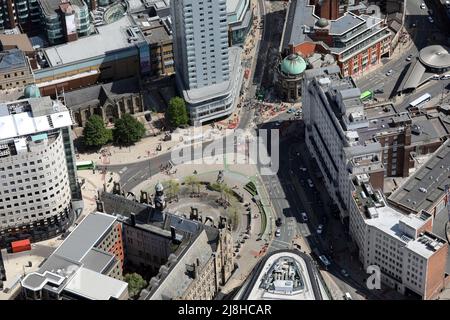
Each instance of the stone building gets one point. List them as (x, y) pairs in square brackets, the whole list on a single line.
[(288, 78), (188, 259), (109, 100), (15, 70)]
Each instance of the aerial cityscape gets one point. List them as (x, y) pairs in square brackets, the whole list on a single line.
[(225, 150)]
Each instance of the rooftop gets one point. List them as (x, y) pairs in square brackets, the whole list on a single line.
[(283, 275), (50, 7), (426, 186), (31, 116), (12, 59), (19, 41), (435, 56), (76, 266), (345, 23), (112, 37)]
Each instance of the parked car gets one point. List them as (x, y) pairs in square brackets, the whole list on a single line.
[(304, 216), (320, 229), (389, 72), (435, 77), (278, 222), (278, 233), (445, 77), (344, 273), (423, 6), (408, 58)]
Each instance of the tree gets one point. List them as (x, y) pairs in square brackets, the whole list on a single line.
[(192, 181), (135, 283), (128, 130), (173, 187), (95, 134), (177, 114)]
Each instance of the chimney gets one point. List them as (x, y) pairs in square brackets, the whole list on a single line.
[(133, 219)]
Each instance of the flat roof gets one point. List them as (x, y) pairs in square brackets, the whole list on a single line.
[(432, 176), (33, 116), (20, 41), (85, 236), (95, 286), (300, 14), (110, 38), (345, 23), (50, 7)]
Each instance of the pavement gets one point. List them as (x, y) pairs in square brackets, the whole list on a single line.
[(17, 264)]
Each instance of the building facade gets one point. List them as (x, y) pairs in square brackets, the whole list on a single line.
[(358, 42), (339, 136), (15, 71), (240, 20), (65, 21), (208, 73), (24, 13), (289, 76), (38, 177)]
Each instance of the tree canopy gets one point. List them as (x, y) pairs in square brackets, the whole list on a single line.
[(176, 113), (128, 130), (135, 283), (95, 133)]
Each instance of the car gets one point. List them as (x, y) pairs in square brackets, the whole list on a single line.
[(304, 216), (435, 77), (347, 296), (310, 183), (413, 25), (278, 233), (303, 169), (320, 229), (344, 273), (389, 72), (408, 58), (423, 6), (430, 19), (278, 222), (445, 77)]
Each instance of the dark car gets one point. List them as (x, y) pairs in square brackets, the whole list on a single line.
[(278, 222)]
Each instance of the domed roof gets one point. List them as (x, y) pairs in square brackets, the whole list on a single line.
[(159, 187), (435, 56), (31, 91), (322, 22), (293, 65)]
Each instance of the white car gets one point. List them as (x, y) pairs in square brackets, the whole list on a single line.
[(445, 77), (278, 233), (430, 19), (435, 77), (389, 72), (423, 6), (320, 229), (347, 296)]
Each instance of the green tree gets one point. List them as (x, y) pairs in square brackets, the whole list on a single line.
[(177, 114), (135, 284), (193, 182), (95, 134), (127, 130), (173, 187)]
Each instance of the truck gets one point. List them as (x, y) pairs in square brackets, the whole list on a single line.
[(20, 246)]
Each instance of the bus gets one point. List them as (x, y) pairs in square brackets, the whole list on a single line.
[(366, 95), (85, 165), (420, 101)]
